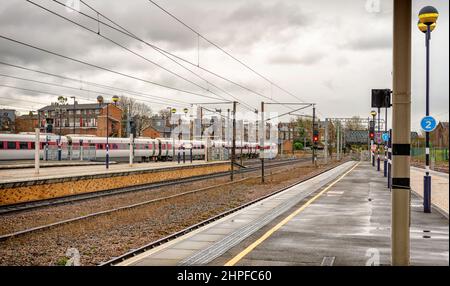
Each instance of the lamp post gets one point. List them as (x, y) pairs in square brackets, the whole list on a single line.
[(100, 101), (74, 112), (427, 22), (172, 111), (373, 113), (378, 141)]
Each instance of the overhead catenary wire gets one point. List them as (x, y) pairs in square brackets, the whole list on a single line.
[(78, 96), (100, 67), (92, 83), (133, 36), (222, 50), (79, 89), (123, 47)]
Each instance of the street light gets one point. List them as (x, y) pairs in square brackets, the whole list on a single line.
[(373, 113), (427, 23), (100, 101), (172, 111)]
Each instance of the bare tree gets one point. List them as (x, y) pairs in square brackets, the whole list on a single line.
[(139, 112), (354, 124)]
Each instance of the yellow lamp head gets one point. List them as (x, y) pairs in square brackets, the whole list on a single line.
[(428, 15), (423, 28)]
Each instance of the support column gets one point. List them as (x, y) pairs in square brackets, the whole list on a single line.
[(326, 142), (233, 148), (37, 145), (262, 137), (401, 133)]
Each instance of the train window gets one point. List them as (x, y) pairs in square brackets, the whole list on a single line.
[(99, 146), (23, 145), (32, 146), (114, 146), (11, 145), (1, 145)]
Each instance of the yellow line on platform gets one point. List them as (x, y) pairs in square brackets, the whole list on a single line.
[(252, 246)]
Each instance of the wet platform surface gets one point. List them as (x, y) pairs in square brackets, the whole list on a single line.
[(344, 219)]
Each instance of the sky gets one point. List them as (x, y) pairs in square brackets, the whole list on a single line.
[(331, 53)]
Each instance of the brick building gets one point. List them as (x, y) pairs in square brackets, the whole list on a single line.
[(82, 119), (26, 123), (439, 137), (150, 132)]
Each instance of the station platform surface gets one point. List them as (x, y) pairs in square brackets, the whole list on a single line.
[(23, 175), (439, 186), (341, 217), (24, 164)]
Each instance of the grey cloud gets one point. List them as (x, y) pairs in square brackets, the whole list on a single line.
[(309, 58), (370, 43)]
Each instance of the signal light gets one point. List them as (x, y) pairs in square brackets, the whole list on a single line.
[(371, 135), (315, 136)]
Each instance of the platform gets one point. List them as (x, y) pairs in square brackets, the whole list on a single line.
[(25, 164), (341, 217), (24, 175), (21, 186)]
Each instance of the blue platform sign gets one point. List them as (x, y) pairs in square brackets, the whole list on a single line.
[(385, 137), (428, 123)]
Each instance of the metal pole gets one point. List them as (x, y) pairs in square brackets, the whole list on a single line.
[(128, 120), (74, 114), (390, 159), (81, 150), (372, 142), (368, 140), (107, 136), (59, 140), (36, 151), (262, 137), (378, 141), (227, 133), (313, 143), (427, 177), (401, 135), (233, 148), (338, 143), (326, 141), (131, 150), (385, 163)]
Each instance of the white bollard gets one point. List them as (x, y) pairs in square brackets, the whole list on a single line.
[(131, 150), (36, 152)]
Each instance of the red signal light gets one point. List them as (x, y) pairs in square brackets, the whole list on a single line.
[(316, 138), (372, 135)]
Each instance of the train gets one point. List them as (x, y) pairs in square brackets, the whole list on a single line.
[(22, 147)]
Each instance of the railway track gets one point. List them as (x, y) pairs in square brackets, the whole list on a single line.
[(80, 218), (151, 245), (86, 196)]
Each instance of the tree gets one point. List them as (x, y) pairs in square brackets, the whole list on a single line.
[(354, 124), (139, 112)]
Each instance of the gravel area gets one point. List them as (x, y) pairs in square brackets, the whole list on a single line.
[(101, 238), (14, 222)]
